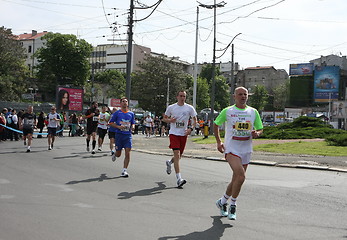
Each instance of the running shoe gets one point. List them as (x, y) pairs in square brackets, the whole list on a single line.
[(93, 151), (28, 150), (222, 207), (87, 148), (49, 148), (99, 149), (125, 174), (112, 152), (181, 182), (52, 145), (113, 157), (232, 212), (168, 167)]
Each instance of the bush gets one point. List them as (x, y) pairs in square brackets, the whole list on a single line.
[(337, 140), (301, 128)]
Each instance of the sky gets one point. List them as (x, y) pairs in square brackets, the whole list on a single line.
[(264, 32)]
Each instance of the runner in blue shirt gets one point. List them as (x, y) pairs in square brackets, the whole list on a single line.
[(123, 121)]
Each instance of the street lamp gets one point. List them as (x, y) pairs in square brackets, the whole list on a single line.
[(214, 7)]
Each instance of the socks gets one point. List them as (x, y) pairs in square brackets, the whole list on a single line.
[(233, 201), (224, 199), (178, 175), (88, 141), (94, 144)]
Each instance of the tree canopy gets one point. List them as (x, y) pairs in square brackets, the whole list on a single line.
[(259, 98), (149, 85), (63, 60), (13, 72), (222, 93), (107, 84)]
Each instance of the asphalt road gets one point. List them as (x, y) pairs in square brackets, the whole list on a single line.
[(70, 194)]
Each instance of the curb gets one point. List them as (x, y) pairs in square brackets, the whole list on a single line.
[(256, 162)]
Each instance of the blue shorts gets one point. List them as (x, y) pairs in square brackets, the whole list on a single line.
[(123, 141)]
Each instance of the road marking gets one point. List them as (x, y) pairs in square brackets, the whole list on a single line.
[(6, 196), (62, 187), (4, 181), (83, 205)]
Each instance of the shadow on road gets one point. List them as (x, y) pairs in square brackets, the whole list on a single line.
[(102, 178), (213, 233), (144, 192)]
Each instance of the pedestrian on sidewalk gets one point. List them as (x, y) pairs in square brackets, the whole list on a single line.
[(178, 115), (123, 121), (242, 124), (53, 120), (27, 123), (92, 116)]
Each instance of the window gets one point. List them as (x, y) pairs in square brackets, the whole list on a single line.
[(29, 49)]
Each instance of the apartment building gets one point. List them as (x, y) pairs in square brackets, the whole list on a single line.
[(267, 76), (31, 42)]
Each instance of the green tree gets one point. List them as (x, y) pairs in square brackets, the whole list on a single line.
[(149, 85), (202, 94), (13, 72), (64, 60), (281, 95), (222, 93), (259, 98), (107, 84)]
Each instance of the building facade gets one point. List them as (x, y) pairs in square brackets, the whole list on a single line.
[(31, 42), (267, 76), (112, 56)]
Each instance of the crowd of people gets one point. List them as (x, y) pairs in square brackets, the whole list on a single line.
[(242, 124)]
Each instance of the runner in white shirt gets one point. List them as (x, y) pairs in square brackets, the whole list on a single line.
[(242, 124), (53, 123), (178, 115), (149, 125), (104, 117)]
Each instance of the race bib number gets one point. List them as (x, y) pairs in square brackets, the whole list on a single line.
[(179, 124), (95, 119), (241, 126), (126, 126)]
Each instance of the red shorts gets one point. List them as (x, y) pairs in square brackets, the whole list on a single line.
[(178, 142)]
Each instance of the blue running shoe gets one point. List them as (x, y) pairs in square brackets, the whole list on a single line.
[(232, 212), (223, 208)]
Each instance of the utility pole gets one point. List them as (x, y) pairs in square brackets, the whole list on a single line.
[(214, 6), (168, 92), (196, 58), (130, 51), (232, 81)]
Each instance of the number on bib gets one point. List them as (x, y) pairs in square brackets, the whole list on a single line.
[(243, 126)]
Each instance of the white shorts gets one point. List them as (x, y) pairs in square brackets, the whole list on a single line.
[(245, 157)]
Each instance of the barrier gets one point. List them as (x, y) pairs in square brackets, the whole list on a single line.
[(18, 131)]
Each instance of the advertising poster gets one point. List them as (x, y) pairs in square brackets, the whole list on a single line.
[(301, 69), (115, 103), (326, 83), (69, 99)]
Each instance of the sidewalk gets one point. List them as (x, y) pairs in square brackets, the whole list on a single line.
[(159, 145)]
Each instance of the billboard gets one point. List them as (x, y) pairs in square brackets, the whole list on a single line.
[(326, 83), (301, 69), (69, 99), (115, 103)]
